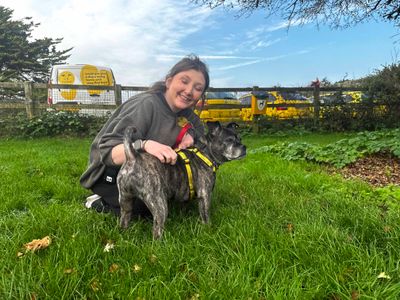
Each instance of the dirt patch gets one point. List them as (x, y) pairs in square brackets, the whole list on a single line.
[(380, 169)]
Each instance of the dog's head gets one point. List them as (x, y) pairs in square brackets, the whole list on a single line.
[(223, 142)]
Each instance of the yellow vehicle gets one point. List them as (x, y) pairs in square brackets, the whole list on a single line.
[(284, 112), (219, 106), (255, 104), (353, 96), (339, 97), (260, 103)]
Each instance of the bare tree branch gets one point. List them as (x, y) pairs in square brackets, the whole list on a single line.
[(335, 13)]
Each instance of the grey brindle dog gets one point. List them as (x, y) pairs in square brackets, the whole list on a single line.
[(143, 177)]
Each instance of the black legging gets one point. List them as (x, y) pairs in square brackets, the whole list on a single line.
[(107, 188)]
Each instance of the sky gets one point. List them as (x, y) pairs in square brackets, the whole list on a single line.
[(142, 39)]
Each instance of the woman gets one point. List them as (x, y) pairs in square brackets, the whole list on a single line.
[(164, 119)]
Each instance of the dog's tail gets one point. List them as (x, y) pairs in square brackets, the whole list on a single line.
[(129, 151)]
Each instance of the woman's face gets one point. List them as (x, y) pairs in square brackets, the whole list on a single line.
[(184, 89)]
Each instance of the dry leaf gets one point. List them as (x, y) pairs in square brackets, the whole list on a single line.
[(387, 229), (109, 246), (38, 244), (95, 285), (33, 296), (153, 259), (69, 271), (355, 295), (136, 268), (113, 268), (382, 275), (195, 297), (20, 254)]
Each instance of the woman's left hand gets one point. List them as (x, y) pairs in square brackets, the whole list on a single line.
[(187, 141)]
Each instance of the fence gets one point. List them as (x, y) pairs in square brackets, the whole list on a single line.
[(33, 98)]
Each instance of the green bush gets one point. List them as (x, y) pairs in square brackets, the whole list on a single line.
[(342, 152), (52, 123)]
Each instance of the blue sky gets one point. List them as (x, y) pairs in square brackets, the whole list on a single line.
[(141, 40)]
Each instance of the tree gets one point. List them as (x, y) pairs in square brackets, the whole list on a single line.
[(336, 13), (21, 57)]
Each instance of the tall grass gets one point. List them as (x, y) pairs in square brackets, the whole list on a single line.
[(280, 230)]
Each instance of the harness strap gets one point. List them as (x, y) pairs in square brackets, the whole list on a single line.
[(204, 158), (188, 171)]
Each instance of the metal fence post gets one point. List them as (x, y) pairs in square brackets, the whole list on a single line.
[(29, 102), (118, 94)]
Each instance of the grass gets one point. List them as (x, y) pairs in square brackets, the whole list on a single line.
[(280, 230)]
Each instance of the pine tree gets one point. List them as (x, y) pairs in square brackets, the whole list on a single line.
[(21, 57)]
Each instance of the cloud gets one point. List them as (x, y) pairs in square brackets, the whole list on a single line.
[(128, 36), (239, 65), (285, 25), (260, 60)]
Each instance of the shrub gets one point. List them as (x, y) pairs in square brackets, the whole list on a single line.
[(52, 123)]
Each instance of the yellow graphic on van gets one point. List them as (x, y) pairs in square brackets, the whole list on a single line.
[(90, 75), (67, 77)]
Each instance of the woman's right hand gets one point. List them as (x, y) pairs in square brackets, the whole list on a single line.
[(163, 152)]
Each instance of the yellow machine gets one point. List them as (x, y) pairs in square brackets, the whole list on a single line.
[(255, 104), (259, 103), (219, 106), (285, 112)]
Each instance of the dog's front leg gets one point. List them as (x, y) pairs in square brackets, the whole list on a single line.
[(204, 200)]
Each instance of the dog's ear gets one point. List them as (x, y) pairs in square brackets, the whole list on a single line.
[(233, 126), (213, 127)]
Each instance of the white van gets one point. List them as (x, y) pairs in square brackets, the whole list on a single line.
[(81, 75)]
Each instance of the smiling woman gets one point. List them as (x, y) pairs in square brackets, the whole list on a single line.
[(184, 89), (164, 119)]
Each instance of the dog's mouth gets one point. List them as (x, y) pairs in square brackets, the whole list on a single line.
[(243, 155), (235, 156)]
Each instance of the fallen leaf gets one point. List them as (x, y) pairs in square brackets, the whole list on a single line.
[(153, 259), (195, 297), (69, 271), (38, 244), (33, 296), (20, 254), (290, 227), (109, 246), (136, 268), (355, 295), (113, 268), (382, 275), (95, 285), (387, 229)]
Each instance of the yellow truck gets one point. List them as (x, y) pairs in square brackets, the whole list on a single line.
[(260, 103), (255, 104), (219, 106), (284, 112)]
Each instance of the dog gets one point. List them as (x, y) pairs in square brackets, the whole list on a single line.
[(143, 177)]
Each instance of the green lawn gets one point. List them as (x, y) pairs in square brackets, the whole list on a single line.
[(280, 230)]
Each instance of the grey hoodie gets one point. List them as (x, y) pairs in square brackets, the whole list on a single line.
[(154, 120)]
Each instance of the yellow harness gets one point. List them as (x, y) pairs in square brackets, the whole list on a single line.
[(189, 172)]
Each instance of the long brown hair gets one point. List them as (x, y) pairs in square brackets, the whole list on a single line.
[(190, 62)]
